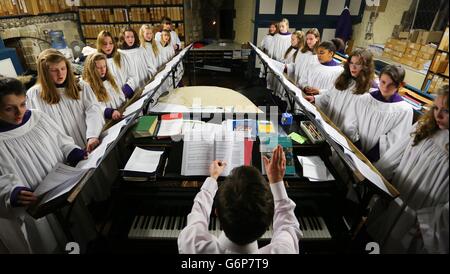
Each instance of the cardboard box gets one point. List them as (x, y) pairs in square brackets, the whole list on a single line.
[(396, 58), (412, 51), (403, 35), (443, 66), (421, 60), (389, 45), (414, 34), (446, 71), (386, 55), (424, 55), (429, 37), (388, 50), (428, 49), (401, 49), (410, 57), (414, 46), (397, 53)]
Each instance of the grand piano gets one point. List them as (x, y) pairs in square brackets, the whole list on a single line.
[(145, 213)]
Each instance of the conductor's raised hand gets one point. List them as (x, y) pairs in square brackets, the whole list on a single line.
[(216, 168), (276, 166)]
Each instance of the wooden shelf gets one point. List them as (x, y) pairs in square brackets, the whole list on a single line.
[(132, 6), (18, 16)]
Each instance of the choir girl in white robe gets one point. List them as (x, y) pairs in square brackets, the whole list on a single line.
[(96, 73), (150, 45), (281, 43), (321, 76), (355, 80), (71, 103), (418, 220), (31, 144), (306, 58), (167, 53), (129, 45), (297, 42), (267, 43), (121, 67), (175, 41), (377, 120)]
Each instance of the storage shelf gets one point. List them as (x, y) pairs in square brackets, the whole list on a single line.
[(132, 6)]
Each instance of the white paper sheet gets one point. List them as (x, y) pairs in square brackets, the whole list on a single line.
[(134, 107), (315, 169), (61, 173), (169, 108), (143, 160)]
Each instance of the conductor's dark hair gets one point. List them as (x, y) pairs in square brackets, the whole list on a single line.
[(166, 19), (395, 72), (245, 205), (339, 44), (10, 86)]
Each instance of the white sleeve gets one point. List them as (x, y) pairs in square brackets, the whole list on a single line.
[(433, 223), (351, 120), (151, 68), (158, 36), (132, 79), (94, 115), (65, 143), (323, 100), (177, 40), (286, 229), (290, 69), (195, 237), (389, 162), (8, 182), (391, 137)]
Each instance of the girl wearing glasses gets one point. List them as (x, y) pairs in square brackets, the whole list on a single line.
[(380, 118), (417, 221)]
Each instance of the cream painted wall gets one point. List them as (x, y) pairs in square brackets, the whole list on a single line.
[(243, 23), (384, 24)]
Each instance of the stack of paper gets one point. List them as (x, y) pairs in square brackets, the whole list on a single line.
[(171, 125), (142, 160), (314, 169)]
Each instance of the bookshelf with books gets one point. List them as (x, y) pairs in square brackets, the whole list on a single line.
[(95, 16), (19, 8), (438, 73)]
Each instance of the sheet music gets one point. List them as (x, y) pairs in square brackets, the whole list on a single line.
[(169, 108), (335, 135), (197, 157), (143, 160), (94, 157), (135, 106), (315, 169), (230, 149), (367, 172), (60, 174)]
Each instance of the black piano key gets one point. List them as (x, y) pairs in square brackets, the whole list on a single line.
[(136, 221), (310, 223), (147, 222), (155, 224), (143, 222), (319, 226), (302, 221)]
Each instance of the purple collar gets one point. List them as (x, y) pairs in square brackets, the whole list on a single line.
[(394, 98), (331, 63), (4, 127), (286, 33)]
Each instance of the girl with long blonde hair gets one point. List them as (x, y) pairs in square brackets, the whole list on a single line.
[(149, 43), (99, 77), (71, 103), (416, 221)]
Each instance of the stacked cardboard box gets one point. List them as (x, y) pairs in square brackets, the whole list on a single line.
[(408, 53)]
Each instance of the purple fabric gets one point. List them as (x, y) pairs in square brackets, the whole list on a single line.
[(16, 191), (4, 127), (75, 156), (108, 113), (394, 98), (286, 33), (344, 26), (128, 91), (331, 63)]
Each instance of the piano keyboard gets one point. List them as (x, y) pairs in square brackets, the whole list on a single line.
[(169, 227)]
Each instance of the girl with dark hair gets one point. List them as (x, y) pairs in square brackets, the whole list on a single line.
[(377, 120), (321, 76), (31, 145), (417, 165)]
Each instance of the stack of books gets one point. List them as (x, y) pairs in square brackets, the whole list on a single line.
[(147, 126)]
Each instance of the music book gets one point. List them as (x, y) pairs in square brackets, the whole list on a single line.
[(170, 125), (146, 126), (315, 169), (59, 181), (269, 142), (199, 153), (142, 160)]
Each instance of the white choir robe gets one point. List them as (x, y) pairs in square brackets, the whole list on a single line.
[(167, 53), (372, 121), (155, 59), (29, 153), (81, 119), (303, 62), (335, 104), (320, 76), (123, 74), (421, 175), (280, 45), (116, 97), (174, 39), (277, 86), (140, 63), (196, 239), (266, 46)]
